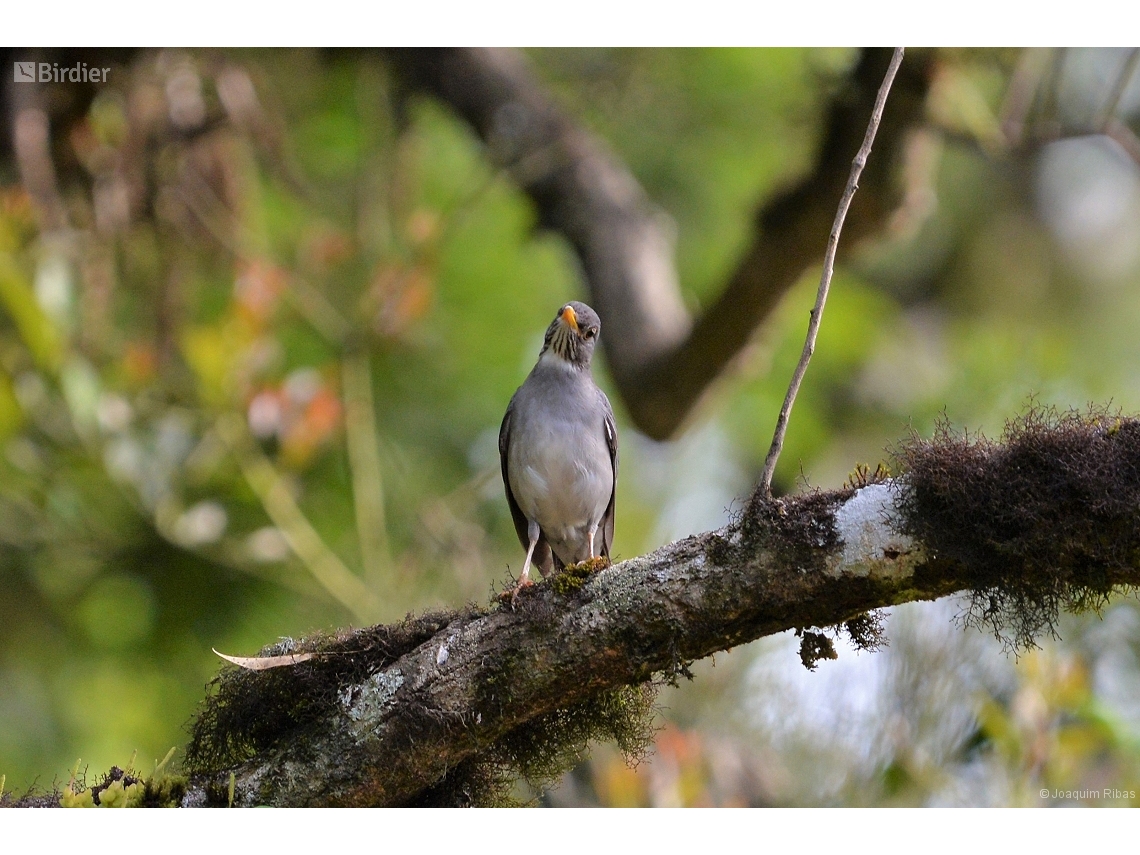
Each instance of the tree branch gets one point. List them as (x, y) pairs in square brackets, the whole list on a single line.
[(662, 359), (399, 732), (393, 713)]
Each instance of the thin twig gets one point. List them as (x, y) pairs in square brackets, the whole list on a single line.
[(1051, 91), (857, 165), (1021, 94), (361, 437)]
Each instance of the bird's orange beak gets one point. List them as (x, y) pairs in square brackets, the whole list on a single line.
[(569, 318)]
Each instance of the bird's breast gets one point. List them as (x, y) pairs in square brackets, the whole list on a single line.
[(561, 474)]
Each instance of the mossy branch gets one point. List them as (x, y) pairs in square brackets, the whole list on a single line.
[(445, 708)]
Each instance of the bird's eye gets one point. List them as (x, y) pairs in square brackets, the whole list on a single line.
[(591, 332)]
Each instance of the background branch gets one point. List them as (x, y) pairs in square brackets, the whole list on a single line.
[(662, 358), (361, 437)]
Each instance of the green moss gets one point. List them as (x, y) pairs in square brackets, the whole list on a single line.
[(119, 794), (545, 748), (249, 712), (124, 788), (166, 791), (572, 578), (76, 799), (863, 476)]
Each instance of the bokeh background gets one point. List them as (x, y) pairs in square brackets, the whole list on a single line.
[(261, 313)]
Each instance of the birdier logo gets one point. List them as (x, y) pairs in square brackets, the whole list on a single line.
[(50, 72)]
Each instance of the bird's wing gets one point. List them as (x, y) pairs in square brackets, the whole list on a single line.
[(504, 448), (607, 522), (543, 557)]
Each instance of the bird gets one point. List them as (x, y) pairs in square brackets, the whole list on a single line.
[(558, 448)]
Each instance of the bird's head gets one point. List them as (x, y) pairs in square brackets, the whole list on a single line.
[(573, 334)]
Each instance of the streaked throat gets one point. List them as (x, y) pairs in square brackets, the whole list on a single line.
[(562, 345), (551, 358)]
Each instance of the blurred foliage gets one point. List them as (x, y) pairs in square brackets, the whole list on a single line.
[(252, 387), (1032, 734)]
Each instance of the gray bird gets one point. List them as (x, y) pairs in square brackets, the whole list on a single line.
[(558, 450)]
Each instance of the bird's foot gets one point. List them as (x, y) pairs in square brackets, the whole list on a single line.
[(592, 565), (512, 595)]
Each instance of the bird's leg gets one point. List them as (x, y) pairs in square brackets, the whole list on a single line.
[(596, 561), (532, 533), (524, 577)]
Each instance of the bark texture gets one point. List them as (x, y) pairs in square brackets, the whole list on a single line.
[(400, 731)]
